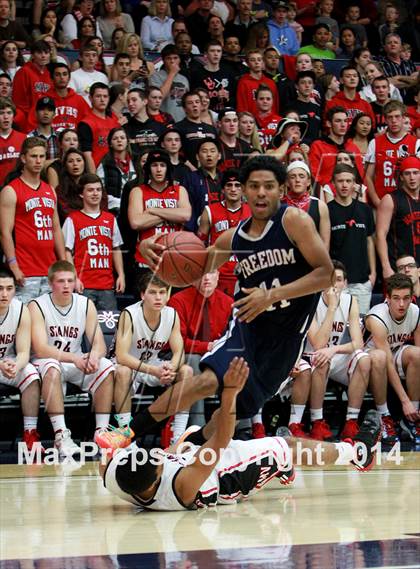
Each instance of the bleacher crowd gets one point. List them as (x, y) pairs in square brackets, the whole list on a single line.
[(123, 120)]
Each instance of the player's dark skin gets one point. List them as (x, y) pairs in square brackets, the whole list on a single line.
[(262, 191)]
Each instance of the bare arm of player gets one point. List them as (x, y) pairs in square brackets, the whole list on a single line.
[(319, 334), (204, 225), (301, 230), (122, 347), (23, 340), (40, 344), (324, 224), (138, 218), (176, 344), (192, 477), (96, 339), (370, 182), (180, 214), (380, 338), (383, 222), (7, 225), (117, 261), (60, 250)]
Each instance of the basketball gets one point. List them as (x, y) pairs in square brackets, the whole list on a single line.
[(184, 259)]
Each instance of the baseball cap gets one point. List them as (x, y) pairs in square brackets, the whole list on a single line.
[(44, 103), (227, 111), (410, 163), (280, 5)]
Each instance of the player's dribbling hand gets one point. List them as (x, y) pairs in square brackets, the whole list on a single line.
[(236, 376), (410, 412), (152, 251), (250, 306)]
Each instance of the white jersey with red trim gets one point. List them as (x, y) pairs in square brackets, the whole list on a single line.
[(147, 343), (341, 318), (8, 326), (65, 326), (243, 469), (398, 332)]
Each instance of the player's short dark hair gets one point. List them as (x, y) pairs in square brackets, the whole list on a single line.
[(344, 169), (88, 178), (6, 273), (348, 67), (263, 87), (57, 65), (212, 43), (169, 49), (380, 78), (134, 478), (60, 266), (141, 93), (321, 26), (302, 74), (398, 281), (228, 175), (40, 46), (119, 56), (339, 266), (263, 163), (97, 85), (334, 111), (148, 278), (7, 103), (186, 95), (205, 141)]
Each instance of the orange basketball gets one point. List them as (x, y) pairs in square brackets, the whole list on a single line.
[(184, 259)]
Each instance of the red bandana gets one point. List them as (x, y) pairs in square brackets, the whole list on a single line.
[(301, 201)]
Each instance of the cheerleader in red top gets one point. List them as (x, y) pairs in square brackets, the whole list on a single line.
[(93, 241), (217, 217)]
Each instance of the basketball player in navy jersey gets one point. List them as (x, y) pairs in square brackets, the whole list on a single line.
[(282, 263)]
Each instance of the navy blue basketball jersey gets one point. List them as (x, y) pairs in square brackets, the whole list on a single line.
[(270, 261)]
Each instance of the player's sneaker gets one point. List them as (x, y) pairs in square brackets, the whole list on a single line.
[(258, 431), (166, 434), (112, 438), (296, 430), (350, 429), (65, 445), (410, 431), (320, 430), (30, 438), (367, 437), (389, 433)]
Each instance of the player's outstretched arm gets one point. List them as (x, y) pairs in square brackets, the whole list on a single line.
[(380, 339), (191, 478)]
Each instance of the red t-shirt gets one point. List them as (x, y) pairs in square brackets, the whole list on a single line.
[(93, 249), (34, 236), (168, 198), (98, 128), (353, 107), (9, 152), (245, 93)]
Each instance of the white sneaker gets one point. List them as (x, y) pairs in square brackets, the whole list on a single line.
[(65, 445)]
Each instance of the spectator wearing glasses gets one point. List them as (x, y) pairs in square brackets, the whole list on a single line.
[(406, 264)]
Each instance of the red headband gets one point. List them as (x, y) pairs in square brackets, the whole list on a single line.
[(411, 162)]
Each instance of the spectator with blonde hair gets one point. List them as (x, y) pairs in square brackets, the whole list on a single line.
[(248, 130), (156, 28), (141, 70), (112, 17)]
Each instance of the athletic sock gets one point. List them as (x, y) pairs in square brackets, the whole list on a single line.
[(102, 420), (316, 415), (352, 413), (383, 409), (30, 423), (197, 438), (345, 453), (58, 423), (123, 419), (296, 413), (257, 418), (179, 424)]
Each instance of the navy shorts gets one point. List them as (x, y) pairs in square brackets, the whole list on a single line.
[(270, 355)]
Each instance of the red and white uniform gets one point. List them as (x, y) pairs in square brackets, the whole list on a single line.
[(34, 235), (167, 198), (10, 146), (386, 153), (267, 128), (92, 239), (8, 328), (221, 218), (243, 469), (99, 128)]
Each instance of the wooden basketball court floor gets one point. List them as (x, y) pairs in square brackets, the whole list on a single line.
[(337, 518)]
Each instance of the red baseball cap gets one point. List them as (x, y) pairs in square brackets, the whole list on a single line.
[(411, 162)]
